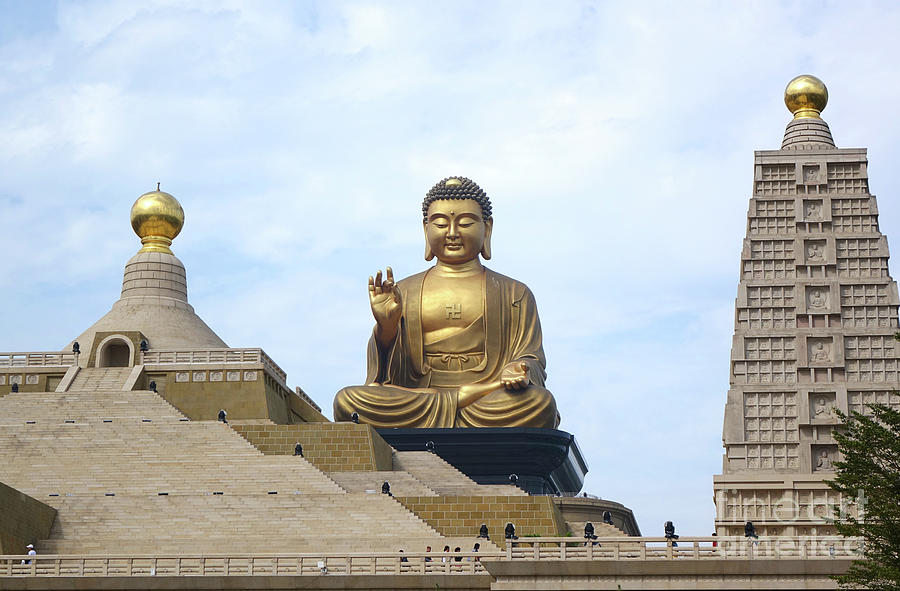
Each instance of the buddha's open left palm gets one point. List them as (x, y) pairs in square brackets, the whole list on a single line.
[(515, 375), (384, 297)]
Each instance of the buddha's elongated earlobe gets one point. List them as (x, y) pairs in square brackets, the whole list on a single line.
[(429, 255), (486, 247)]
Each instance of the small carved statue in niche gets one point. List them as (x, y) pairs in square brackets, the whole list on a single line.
[(810, 175), (813, 211), (824, 462), (814, 252), (823, 409), (820, 353), (816, 299)]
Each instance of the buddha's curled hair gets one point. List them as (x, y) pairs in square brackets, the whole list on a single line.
[(457, 187)]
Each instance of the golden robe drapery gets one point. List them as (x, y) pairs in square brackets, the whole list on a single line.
[(404, 391)]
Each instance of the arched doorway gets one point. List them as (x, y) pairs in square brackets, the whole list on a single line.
[(114, 352)]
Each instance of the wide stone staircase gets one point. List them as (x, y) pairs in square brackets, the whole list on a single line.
[(444, 479), (93, 379), (53, 408), (600, 529), (194, 524), (401, 484), (128, 473)]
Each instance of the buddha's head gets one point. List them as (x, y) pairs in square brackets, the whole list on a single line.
[(456, 215)]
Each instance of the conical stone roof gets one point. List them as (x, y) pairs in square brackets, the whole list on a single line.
[(154, 287)]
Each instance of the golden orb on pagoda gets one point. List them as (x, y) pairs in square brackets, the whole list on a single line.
[(806, 97), (157, 218)]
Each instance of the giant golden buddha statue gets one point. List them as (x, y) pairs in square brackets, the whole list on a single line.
[(457, 345)]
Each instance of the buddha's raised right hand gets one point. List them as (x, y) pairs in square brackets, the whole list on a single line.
[(384, 297)]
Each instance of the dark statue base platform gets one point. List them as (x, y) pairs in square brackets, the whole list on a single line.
[(546, 461)]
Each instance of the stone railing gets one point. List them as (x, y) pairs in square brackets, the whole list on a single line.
[(693, 548), (38, 359), (601, 549), (241, 565), (212, 356)]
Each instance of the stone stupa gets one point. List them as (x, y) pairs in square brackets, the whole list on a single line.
[(154, 298)]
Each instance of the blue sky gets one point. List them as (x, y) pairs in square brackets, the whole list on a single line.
[(615, 139)]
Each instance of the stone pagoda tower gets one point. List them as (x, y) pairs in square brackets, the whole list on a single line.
[(815, 316)]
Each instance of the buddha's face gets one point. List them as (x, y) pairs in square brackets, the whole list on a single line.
[(455, 230)]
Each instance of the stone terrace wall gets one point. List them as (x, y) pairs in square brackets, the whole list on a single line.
[(331, 447), (459, 516), (23, 520)]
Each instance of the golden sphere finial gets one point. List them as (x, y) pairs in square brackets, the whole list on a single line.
[(806, 97), (157, 218), (453, 182)]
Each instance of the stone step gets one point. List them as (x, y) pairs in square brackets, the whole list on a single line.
[(84, 406), (247, 523), (82, 445), (443, 478), (600, 529), (402, 484), (100, 378)]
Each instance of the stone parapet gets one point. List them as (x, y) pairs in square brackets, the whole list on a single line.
[(535, 563)]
